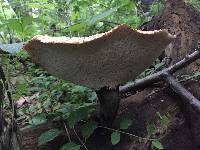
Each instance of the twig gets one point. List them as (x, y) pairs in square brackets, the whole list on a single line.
[(141, 84), (126, 133), (80, 139), (183, 93), (67, 132), (166, 75)]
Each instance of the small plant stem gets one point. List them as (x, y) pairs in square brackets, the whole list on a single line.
[(67, 132), (126, 133), (4, 14), (80, 139)]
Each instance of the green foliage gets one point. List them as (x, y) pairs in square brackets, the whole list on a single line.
[(21, 88), (79, 114), (156, 7), (124, 124), (164, 121), (48, 136), (20, 20), (38, 119), (88, 128), (155, 67), (192, 76), (115, 138), (150, 129), (157, 144), (45, 96), (154, 127), (195, 3), (70, 146), (100, 16)]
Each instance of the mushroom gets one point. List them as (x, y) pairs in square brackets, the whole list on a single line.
[(106, 59)]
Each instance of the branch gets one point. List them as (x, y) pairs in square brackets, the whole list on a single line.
[(141, 84), (185, 95), (166, 75)]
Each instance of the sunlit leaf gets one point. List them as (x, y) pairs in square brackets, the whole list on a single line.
[(101, 16), (76, 27), (157, 144)]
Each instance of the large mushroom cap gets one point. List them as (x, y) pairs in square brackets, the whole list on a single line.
[(105, 59)]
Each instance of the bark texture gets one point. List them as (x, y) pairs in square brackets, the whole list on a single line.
[(182, 20)]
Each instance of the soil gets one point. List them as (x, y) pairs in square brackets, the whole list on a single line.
[(141, 108)]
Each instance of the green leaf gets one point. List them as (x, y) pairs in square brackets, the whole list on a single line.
[(27, 20), (124, 124), (150, 129), (101, 16), (70, 146), (157, 144), (196, 74), (77, 115), (77, 27), (41, 6), (38, 119), (115, 138), (159, 65), (155, 8), (48, 136), (88, 128), (159, 115), (165, 120), (15, 24), (21, 88)]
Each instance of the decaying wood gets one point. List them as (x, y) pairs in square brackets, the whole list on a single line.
[(182, 20)]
